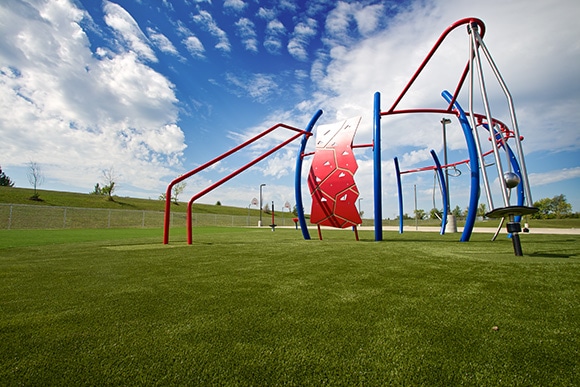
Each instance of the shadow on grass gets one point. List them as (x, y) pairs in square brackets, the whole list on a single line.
[(549, 255)]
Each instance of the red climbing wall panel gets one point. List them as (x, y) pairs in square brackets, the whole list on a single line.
[(331, 178)]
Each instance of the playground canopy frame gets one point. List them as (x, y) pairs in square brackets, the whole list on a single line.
[(167, 217), (476, 31)]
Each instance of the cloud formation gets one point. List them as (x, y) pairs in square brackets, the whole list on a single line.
[(206, 20), (128, 30), (303, 33), (77, 111), (246, 30)]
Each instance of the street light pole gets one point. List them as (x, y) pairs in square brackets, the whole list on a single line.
[(260, 222), (451, 225)]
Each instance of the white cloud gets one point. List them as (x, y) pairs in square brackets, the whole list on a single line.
[(162, 42), (274, 33), (368, 18), (235, 5), (128, 30), (303, 33), (266, 13), (194, 46), (246, 30), (76, 113), (342, 20), (205, 19), (538, 179), (258, 87)]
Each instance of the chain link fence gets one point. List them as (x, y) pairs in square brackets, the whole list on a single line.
[(21, 216)]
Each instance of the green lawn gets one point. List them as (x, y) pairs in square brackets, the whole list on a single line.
[(256, 307)]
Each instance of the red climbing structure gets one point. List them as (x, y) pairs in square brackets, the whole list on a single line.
[(331, 178)]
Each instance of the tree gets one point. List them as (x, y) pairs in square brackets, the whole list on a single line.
[(109, 187), (561, 207), (35, 178), (5, 180), (419, 214), (457, 212), (556, 207), (435, 213), (482, 210), (178, 190), (97, 190), (218, 203)]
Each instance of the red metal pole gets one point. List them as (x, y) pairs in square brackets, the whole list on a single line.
[(233, 174), (167, 216), (430, 54)]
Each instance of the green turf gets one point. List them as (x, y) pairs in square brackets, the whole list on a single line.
[(256, 307)]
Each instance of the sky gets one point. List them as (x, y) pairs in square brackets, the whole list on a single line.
[(152, 89)]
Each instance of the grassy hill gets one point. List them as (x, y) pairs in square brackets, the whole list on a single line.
[(70, 199)]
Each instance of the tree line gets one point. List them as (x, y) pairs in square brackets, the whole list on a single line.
[(556, 207)]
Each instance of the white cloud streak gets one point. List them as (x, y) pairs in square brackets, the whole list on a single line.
[(128, 30), (275, 31), (551, 177), (235, 5), (246, 30), (206, 20), (162, 42), (303, 33)]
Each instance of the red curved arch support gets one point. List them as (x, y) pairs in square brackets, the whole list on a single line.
[(167, 218)]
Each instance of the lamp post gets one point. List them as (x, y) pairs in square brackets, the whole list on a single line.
[(260, 222), (451, 225)]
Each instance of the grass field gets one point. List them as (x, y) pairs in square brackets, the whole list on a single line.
[(255, 307)]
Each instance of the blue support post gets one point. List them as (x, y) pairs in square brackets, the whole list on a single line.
[(473, 165), (377, 168), (298, 175)]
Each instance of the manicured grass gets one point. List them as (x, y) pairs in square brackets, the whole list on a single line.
[(256, 307)]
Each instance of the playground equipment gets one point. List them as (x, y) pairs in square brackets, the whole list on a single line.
[(510, 166), (331, 177)]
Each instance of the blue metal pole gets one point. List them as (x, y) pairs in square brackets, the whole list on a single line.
[(298, 175), (377, 168), (473, 165)]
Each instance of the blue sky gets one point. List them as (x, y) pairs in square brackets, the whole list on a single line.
[(153, 89)]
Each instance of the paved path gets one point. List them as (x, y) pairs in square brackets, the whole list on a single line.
[(488, 230), (483, 230)]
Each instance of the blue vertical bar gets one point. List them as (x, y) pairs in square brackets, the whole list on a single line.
[(377, 168), (400, 193), (473, 166), (298, 176)]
